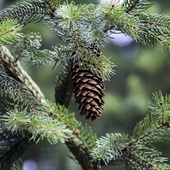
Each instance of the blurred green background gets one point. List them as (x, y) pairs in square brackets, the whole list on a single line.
[(140, 71)]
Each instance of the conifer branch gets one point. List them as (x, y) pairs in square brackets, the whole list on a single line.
[(11, 148), (147, 34), (14, 91), (157, 26), (84, 135), (51, 5), (9, 32), (39, 126), (137, 5), (19, 73), (26, 12), (155, 124), (28, 49), (134, 25), (110, 148), (137, 151)]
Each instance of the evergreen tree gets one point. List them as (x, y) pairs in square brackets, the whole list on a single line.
[(27, 117)]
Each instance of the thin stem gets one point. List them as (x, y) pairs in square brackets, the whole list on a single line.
[(142, 159), (7, 32), (51, 6), (134, 142), (132, 6)]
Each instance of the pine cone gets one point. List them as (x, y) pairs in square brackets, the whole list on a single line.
[(89, 91)]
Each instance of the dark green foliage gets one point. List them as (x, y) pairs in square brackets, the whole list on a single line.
[(12, 146), (15, 93), (63, 89), (26, 12), (137, 5)]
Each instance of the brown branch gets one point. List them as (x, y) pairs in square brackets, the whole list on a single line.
[(131, 6), (142, 159), (81, 156), (159, 24), (51, 6), (7, 32), (19, 73), (134, 142), (132, 162)]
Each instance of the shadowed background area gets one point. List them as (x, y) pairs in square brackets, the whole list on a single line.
[(140, 71)]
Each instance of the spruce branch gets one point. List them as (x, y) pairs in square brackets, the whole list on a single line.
[(142, 156), (71, 16), (156, 27), (12, 146), (138, 151), (13, 95), (21, 119), (19, 73), (83, 141), (26, 12), (14, 91), (28, 49), (109, 148), (137, 5), (9, 32), (40, 127), (84, 134), (155, 126), (86, 140), (158, 22), (135, 25)]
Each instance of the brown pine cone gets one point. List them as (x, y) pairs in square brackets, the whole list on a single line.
[(89, 91)]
